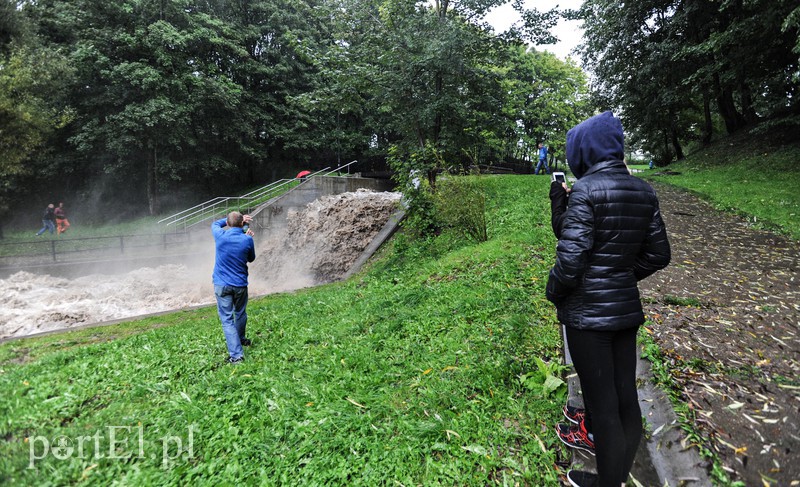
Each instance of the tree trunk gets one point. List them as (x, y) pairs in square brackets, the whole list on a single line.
[(676, 145), (432, 179), (727, 108), (708, 126), (748, 111), (152, 183), (441, 8)]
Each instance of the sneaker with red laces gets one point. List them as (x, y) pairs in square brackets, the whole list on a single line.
[(578, 478), (575, 436), (573, 414)]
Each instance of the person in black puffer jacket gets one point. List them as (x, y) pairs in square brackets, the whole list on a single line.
[(610, 236)]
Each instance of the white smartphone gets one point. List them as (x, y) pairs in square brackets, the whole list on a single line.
[(560, 177)]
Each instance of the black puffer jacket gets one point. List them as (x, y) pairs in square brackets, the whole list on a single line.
[(611, 236)]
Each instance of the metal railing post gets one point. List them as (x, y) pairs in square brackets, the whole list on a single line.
[(53, 245)]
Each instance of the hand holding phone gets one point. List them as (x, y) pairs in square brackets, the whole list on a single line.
[(561, 178)]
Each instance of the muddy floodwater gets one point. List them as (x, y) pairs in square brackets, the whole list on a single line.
[(318, 244)]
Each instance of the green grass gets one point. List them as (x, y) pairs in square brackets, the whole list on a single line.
[(437, 365), (747, 176), (682, 301)]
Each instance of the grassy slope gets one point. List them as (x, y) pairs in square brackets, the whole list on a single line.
[(747, 175), (423, 369)]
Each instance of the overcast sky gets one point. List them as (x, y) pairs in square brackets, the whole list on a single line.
[(569, 32)]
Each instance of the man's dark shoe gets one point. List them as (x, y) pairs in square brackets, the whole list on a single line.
[(573, 414), (246, 342), (232, 360), (578, 478), (575, 436)]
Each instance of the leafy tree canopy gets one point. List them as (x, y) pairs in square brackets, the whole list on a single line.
[(153, 101)]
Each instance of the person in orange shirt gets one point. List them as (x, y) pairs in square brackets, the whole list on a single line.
[(62, 224)]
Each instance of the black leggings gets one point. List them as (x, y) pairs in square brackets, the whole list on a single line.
[(606, 366)]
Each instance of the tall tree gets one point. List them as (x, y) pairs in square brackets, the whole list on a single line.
[(425, 76), (276, 35), (176, 93), (662, 62), (159, 91), (179, 92), (628, 48), (544, 98), (32, 79)]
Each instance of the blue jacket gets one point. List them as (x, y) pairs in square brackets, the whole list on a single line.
[(611, 236), (234, 250), (543, 153)]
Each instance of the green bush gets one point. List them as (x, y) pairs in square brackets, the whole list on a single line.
[(411, 174)]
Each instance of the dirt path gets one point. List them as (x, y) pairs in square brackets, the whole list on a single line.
[(726, 313)]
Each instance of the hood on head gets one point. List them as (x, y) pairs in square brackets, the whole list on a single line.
[(594, 140)]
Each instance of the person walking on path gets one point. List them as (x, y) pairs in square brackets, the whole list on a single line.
[(62, 224), (234, 250), (542, 160), (611, 235), (48, 220)]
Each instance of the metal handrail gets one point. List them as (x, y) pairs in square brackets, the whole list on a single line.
[(269, 186), (317, 173), (340, 168), (204, 212), (57, 249), (201, 206), (214, 206)]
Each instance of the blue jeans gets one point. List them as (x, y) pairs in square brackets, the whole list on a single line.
[(232, 309), (542, 163), (47, 225)]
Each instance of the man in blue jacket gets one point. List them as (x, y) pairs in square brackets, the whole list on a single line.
[(542, 160), (610, 236), (234, 249)]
